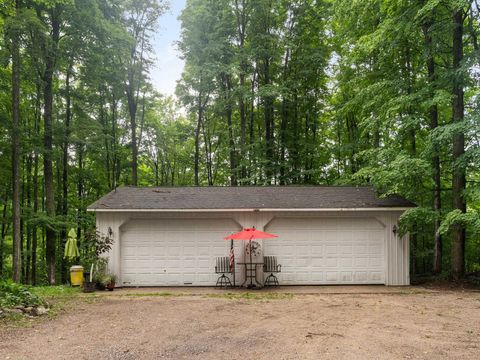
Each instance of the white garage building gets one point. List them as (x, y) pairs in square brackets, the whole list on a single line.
[(171, 236)]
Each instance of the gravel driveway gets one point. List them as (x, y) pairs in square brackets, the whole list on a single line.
[(352, 325)]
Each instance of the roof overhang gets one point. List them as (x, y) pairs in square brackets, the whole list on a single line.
[(252, 210)]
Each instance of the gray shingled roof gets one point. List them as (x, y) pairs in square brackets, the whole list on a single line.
[(251, 197)]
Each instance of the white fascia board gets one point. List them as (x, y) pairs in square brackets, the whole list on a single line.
[(253, 210)]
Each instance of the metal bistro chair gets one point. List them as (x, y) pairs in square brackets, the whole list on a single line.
[(270, 266), (223, 267)]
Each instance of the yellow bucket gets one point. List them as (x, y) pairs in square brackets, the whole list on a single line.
[(76, 275)]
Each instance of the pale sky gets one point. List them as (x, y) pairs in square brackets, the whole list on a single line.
[(168, 66)]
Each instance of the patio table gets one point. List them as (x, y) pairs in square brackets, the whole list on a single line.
[(251, 272)]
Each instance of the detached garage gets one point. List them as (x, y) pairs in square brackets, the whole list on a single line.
[(171, 236)]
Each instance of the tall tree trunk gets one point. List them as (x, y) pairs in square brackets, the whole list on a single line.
[(241, 16), (409, 75), (2, 235), (269, 126), (106, 137), (283, 141), (48, 143), (283, 122), (66, 141), (433, 114), (296, 146), (208, 154), (352, 133), (28, 250), (197, 139), (251, 150), (114, 141), (35, 186), (16, 175), (22, 222), (80, 190), (132, 110), (411, 139), (231, 141), (458, 176)]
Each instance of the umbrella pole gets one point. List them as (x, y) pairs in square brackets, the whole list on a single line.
[(251, 263), (231, 248)]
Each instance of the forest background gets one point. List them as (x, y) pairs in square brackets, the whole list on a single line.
[(274, 92)]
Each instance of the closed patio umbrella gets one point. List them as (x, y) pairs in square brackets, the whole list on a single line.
[(71, 248)]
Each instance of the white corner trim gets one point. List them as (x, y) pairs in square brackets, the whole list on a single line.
[(253, 210)]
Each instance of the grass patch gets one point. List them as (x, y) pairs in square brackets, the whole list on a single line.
[(56, 292), (57, 298), (15, 320), (62, 298)]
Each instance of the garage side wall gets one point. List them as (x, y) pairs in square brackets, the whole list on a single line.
[(112, 221), (398, 254)]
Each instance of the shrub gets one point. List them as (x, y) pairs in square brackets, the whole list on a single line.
[(13, 294)]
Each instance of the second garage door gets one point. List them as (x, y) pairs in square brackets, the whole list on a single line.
[(328, 250), (173, 252)]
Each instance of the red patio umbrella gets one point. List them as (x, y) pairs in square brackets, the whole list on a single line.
[(249, 234)]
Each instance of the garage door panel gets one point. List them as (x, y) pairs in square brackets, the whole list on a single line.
[(361, 276), (320, 275), (331, 249), (375, 249), (375, 262), (376, 276), (190, 251), (360, 262), (173, 252), (331, 276), (346, 249), (302, 262), (345, 262), (316, 250), (331, 262), (346, 276), (189, 264), (317, 262), (129, 251), (328, 250), (360, 249), (328, 236)]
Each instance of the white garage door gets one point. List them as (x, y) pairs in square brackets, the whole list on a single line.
[(328, 250), (173, 252)]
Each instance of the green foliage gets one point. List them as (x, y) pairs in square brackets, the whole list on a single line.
[(94, 245), (392, 173), (13, 294), (469, 220), (416, 217), (104, 279)]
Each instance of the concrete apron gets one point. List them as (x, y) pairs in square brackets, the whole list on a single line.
[(295, 290)]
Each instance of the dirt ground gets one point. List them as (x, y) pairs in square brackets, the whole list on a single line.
[(404, 324)]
